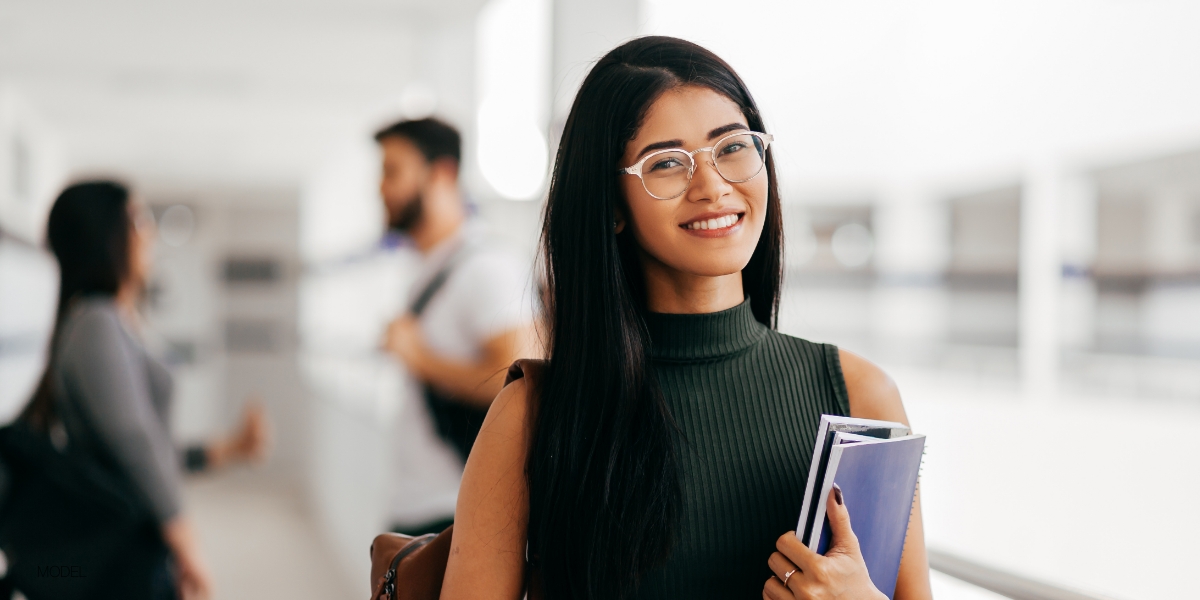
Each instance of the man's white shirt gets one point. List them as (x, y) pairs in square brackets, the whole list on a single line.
[(487, 292)]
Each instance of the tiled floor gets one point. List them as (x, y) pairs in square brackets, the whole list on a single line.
[(260, 541)]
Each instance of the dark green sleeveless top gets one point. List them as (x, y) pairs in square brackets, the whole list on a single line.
[(748, 400)]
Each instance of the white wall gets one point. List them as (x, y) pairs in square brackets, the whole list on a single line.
[(28, 294), (32, 165), (31, 170)]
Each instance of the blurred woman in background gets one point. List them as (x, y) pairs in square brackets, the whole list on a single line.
[(107, 401)]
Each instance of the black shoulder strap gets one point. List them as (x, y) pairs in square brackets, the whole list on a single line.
[(437, 281)]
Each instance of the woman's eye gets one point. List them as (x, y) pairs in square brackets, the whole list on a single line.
[(666, 163), (732, 148)]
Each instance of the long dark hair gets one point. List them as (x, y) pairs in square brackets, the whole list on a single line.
[(89, 233), (603, 468)]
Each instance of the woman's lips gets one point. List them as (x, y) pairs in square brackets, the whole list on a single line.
[(714, 226)]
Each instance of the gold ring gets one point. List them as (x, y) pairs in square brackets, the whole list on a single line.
[(787, 576)]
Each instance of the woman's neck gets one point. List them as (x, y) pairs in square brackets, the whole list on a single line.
[(674, 292), (128, 295)]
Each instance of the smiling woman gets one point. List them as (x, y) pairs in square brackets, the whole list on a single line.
[(663, 451)]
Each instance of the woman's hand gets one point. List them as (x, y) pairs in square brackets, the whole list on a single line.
[(192, 577), (194, 581), (839, 575), (250, 442)]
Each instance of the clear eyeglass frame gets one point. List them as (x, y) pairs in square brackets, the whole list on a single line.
[(636, 168)]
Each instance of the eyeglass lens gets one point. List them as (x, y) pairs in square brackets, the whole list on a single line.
[(737, 158)]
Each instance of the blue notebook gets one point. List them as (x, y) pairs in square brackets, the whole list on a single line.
[(876, 465)]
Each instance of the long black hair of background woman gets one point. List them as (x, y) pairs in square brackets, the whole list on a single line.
[(603, 467), (89, 233)]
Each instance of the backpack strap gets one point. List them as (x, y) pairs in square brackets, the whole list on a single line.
[(438, 280), (533, 368)]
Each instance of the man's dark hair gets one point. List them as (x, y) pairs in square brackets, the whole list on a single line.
[(434, 138)]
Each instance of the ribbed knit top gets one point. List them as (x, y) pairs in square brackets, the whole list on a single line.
[(748, 400)]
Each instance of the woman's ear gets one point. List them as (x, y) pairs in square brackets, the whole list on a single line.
[(618, 220)]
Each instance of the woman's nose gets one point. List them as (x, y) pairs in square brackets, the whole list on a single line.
[(707, 183)]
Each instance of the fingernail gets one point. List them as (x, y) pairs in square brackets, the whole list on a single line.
[(837, 494)]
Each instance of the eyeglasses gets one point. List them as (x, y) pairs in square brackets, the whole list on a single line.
[(737, 157)]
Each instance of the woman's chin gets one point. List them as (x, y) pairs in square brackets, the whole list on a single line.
[(699, 256), (717, 267)]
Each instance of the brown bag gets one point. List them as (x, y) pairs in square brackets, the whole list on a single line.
[(404, 567)]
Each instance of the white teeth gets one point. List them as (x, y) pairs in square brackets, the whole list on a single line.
[(720, 223)]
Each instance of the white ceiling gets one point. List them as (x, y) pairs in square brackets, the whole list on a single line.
[(256, 91), (934, 92), (221, 91)]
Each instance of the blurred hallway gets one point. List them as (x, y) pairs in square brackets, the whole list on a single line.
[(997, 202), (261, 540)]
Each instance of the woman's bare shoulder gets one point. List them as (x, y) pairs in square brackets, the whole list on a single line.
[(508, 416), (492, 515), (501, 449), (873, 394)]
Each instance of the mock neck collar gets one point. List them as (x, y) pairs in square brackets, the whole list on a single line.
[(685, 337)]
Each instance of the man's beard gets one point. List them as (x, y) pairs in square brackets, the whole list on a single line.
[(403, 220)]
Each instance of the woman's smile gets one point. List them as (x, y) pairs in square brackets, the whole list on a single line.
[(713, 224)]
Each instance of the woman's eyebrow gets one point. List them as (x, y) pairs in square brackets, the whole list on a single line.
[(661, 146), (722, 130), (668, 144)]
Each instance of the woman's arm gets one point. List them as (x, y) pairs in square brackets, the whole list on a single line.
[(873, 395), (487, 553)]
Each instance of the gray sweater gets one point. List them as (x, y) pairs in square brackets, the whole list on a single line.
[(114, 402)]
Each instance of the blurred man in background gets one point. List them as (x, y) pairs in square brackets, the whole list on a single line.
[(468, 316)]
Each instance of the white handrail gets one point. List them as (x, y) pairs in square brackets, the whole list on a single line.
[(1006, 584)]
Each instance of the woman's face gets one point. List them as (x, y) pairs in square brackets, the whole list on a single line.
[(692, 117), (141, 243)]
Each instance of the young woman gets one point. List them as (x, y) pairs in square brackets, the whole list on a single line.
[(112, 398), (664, 451)]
